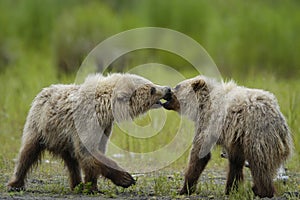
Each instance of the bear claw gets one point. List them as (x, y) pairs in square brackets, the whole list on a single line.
[(15, 189), (123, 179)]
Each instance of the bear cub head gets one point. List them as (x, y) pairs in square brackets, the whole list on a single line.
[(135, 95), (187, 95)]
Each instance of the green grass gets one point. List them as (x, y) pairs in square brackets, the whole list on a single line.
[(244, 38), (20, 83), (256, 53)]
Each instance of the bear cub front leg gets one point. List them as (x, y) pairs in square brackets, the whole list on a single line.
[(100, 164), (195, 168)]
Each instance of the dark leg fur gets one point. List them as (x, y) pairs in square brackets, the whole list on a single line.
[(119, 176), (73, 167), (195, 168), (236, 163), (29, 155), (91, 176), (108, 168), (263, 182)]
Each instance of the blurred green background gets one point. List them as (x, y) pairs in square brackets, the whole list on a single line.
[(43, 42), (242, 37)]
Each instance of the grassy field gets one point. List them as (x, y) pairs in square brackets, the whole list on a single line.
[(44, 43), (50, 178)]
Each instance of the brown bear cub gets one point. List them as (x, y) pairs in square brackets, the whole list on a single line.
[(246, 122), (74, 122)]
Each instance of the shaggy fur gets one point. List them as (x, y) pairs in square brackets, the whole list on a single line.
[(75, 122), (246, 122)]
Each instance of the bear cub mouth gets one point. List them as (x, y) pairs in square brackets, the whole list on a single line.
[(168, 96), (171, 102), (163, 100)]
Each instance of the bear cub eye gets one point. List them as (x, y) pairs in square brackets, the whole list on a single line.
[(153, 90)]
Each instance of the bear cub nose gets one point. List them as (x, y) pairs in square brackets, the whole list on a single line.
[(168, 89), (168, 94)]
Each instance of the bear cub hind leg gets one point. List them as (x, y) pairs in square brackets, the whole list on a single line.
[(236, 163), (30, 154), (263, 182)]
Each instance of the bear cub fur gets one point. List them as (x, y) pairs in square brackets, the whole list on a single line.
[(246, 122), (74, 122)]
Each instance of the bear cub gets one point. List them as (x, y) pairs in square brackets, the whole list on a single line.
[(247, 123), (74, 122)]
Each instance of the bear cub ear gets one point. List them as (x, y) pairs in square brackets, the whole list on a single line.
[(199, 85)]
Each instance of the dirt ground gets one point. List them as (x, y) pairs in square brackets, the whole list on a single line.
[(149, 186)]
